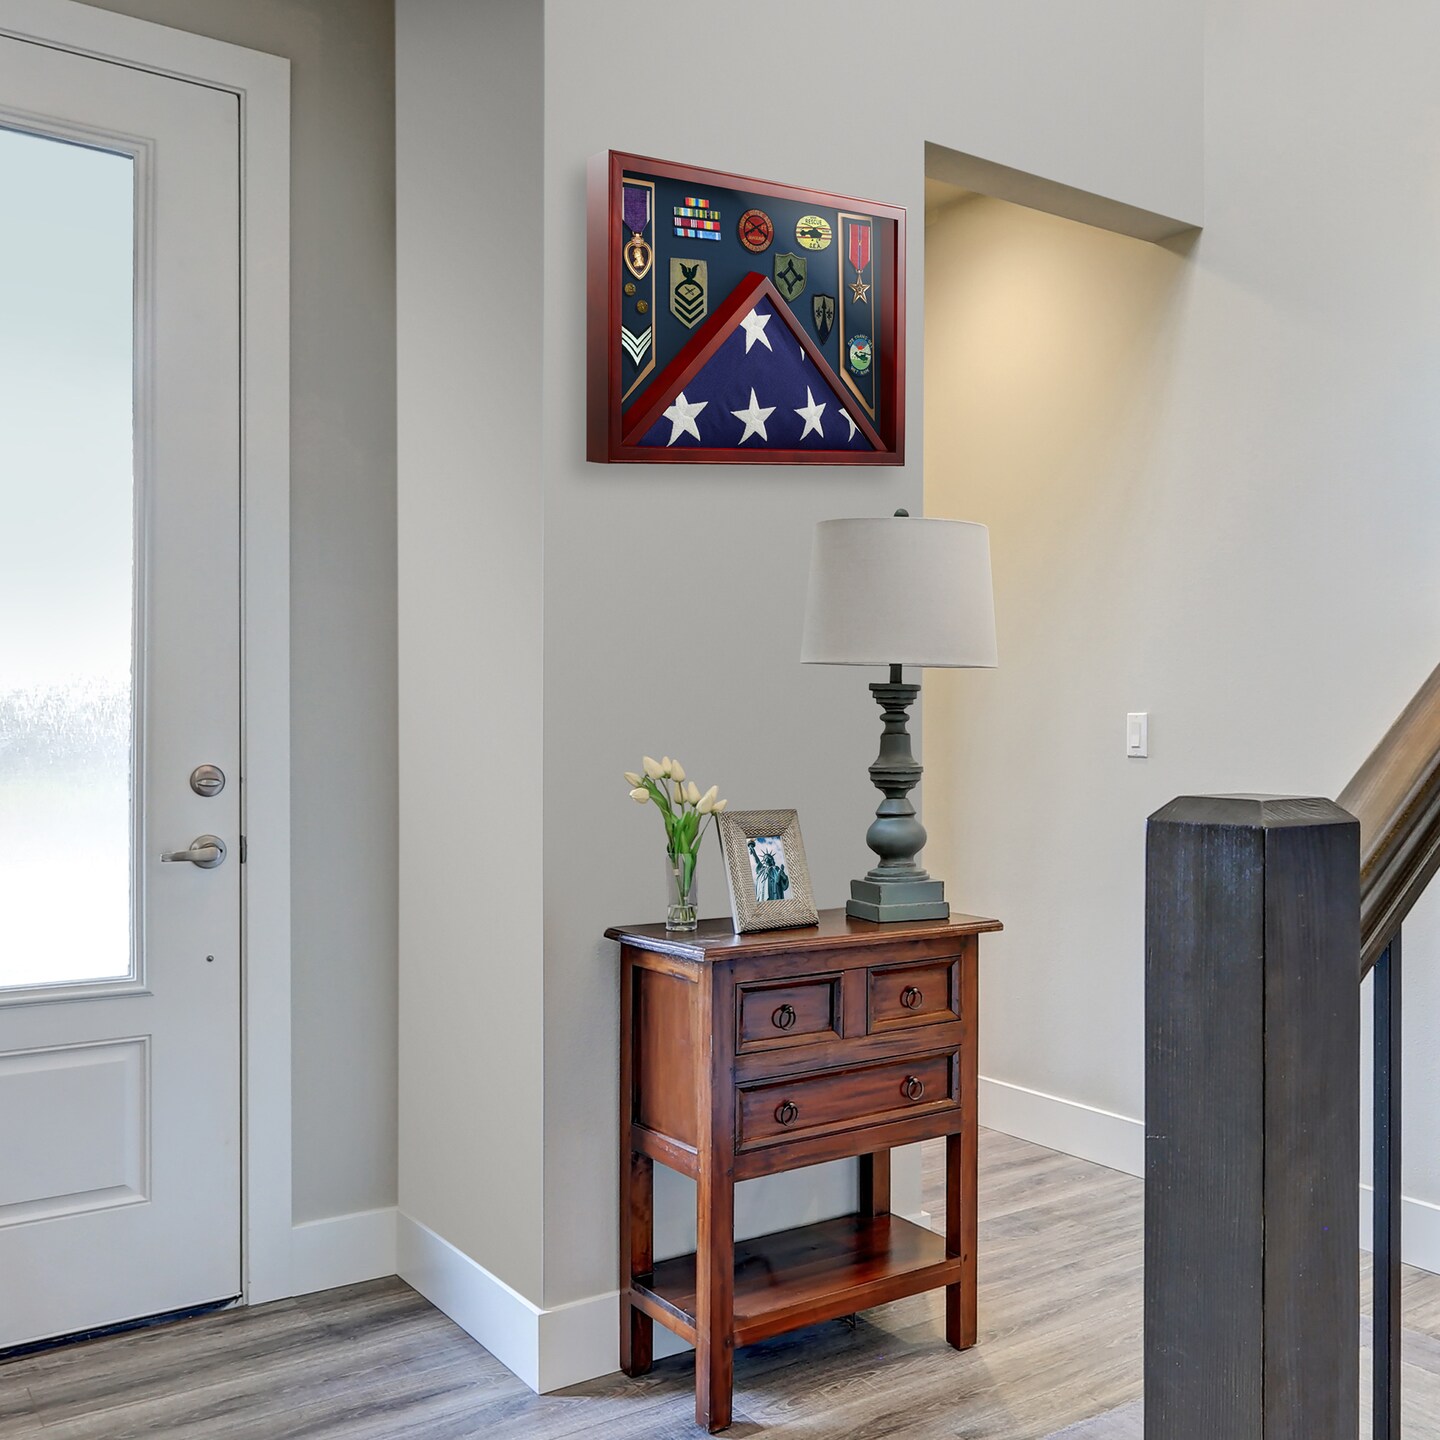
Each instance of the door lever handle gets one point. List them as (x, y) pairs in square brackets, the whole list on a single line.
[(206, 851)]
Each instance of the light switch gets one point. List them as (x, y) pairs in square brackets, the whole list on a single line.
[(1137, 734)]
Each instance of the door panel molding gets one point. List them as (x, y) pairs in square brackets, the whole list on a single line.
[(262, 84)]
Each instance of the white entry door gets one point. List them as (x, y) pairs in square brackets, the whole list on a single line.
[(119, 677)]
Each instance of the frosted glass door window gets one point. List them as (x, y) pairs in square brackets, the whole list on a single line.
[(66, 561)]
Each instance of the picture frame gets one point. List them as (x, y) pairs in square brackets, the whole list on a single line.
[(766, 871), (668, 369)]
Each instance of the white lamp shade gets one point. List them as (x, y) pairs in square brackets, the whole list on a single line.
[(900, 591)]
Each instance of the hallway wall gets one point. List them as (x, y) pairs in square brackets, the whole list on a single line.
[(1209, 470)]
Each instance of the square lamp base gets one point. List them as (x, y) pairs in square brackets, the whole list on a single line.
[(898, 900)]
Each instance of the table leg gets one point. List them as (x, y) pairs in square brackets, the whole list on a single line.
[(961, 1235), (715, 1301), (875, 1183), (637, 1257)]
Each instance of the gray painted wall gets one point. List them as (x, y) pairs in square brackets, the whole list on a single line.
[(342, 479), (1104, 97), (1210, 477), (470, 85)]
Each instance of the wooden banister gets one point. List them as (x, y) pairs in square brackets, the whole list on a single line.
[(1395, 796)]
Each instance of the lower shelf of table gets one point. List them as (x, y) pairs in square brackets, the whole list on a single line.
[(812, 1273)]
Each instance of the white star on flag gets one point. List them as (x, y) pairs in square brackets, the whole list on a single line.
[(755, 417), (853, 426), (810, 413), (681, 416), (755, 324)]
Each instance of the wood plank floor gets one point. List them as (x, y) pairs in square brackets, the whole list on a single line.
[(1060, 1315)]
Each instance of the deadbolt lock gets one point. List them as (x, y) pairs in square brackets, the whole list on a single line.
[(207, 780)]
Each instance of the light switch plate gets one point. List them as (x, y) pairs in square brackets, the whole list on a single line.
[(1137, 734)]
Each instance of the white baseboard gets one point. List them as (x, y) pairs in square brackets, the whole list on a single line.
[(1118, 1143), (547, 1349), (342, 1250), (1104, 1138), (1419, 1229)]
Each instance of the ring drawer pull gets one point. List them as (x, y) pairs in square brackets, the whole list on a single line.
[(787, 1113), (911, 997), (913, 1088), (784, 1017)]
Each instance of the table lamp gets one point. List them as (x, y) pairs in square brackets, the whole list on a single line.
[(899, 591)]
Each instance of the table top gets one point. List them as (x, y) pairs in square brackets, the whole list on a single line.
[(717, 938)]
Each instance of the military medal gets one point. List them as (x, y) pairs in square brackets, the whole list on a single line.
[(756, 230), (637, 216), (813, 232), (860, 258)]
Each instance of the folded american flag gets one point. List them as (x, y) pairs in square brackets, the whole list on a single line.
[(761, 391)]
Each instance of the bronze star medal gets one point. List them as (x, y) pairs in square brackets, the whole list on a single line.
[(860, 258)]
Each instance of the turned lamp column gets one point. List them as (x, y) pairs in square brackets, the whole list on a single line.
[(897, 592), (896, 834)]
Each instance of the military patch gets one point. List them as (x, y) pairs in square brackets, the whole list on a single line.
[(860, 354), (813, 232), (689, 291), (756, 230), (635, 345), (697, 219), (789, 274), (823, 309)]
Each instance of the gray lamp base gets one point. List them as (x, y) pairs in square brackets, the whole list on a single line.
[(898, 900)]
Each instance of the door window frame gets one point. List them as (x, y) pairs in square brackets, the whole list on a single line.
[(261, 84)]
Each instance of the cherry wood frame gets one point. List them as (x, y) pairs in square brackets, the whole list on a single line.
[(685, 1073), (611, 436)]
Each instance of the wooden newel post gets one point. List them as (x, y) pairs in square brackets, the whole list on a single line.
[(1252, 1120)]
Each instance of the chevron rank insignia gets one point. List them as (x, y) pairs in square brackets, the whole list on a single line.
[(789, 274), (689, 291), (823, 309), (635, 345)]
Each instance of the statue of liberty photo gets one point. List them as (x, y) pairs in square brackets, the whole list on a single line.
[(767, 868)]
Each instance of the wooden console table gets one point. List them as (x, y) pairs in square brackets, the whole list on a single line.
[(745, 1055)]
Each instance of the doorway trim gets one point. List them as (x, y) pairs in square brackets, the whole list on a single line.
[(262, 85)]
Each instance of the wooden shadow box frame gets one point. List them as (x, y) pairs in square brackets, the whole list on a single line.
[(613, 433)]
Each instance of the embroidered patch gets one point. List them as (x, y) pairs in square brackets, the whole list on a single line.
[(635, 345), (813, 232), (756, 230), (822, 307), (789, 274), (689, 291)]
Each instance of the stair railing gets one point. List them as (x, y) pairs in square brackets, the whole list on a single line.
[(1262, 913)]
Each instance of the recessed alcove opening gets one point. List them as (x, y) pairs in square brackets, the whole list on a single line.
[(1047, 364)]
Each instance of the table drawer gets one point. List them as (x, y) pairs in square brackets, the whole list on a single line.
[(903, 996), (795, 1012), (830, 1100)]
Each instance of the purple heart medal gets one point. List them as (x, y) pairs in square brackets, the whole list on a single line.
[(637, 216)]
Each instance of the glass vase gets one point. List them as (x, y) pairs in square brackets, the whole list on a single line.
[(680, 913)]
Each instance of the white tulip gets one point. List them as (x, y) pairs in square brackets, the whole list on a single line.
[(632, 777), (667, 766), (706, 803), (639, 794), (653, 768), (692, 792), (677, 770), (719, 805)]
